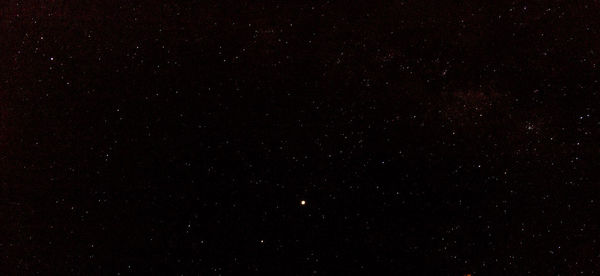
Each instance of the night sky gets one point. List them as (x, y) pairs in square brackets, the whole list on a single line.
[(299, 137)]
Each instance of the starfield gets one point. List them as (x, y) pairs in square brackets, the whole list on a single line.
[(299, 137)]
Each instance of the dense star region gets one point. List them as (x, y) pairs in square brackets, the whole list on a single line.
[(299, 138)]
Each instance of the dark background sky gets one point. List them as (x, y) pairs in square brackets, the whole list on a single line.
[(180, 137)]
